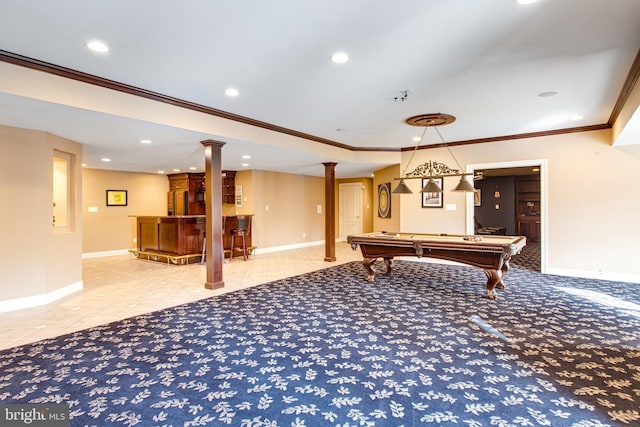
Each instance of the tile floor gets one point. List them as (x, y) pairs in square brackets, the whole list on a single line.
[(122, 286)]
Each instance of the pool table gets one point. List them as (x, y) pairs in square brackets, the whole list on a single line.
[(491, 253)]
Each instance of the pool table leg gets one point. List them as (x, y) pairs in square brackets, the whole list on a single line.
[(494, 279), (368, 263), (493, 282), (389, 263)]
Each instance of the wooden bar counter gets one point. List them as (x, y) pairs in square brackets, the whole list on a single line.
[(179, 239), (174, 239)]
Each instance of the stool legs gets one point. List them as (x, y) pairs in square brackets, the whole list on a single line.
[(244, 244), (244, 247)]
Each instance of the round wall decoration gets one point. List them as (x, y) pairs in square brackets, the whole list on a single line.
[(384, 200)]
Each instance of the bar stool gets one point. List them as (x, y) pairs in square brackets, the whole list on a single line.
[(241, 231)]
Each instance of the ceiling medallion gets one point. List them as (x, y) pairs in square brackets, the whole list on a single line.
[(434, 119)]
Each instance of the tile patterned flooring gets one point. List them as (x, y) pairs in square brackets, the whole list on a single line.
[(122, 286)]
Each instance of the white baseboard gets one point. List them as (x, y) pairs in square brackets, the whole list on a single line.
[(88, 255), (600, 275), (288, 247), (37, 300)]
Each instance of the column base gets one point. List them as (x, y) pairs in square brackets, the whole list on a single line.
[(214, 285)]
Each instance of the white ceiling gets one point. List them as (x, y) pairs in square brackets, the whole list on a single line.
[(483, 61)]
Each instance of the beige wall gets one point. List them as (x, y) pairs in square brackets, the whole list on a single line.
[(382, 176), (593, 201), (113, 228), (291, 217), (591, 227), (590, 212), (33, 259), (292, 201)]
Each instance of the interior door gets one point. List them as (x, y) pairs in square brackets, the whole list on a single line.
[(350, 210)]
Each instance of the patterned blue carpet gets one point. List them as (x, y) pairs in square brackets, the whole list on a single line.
[(421, 346)]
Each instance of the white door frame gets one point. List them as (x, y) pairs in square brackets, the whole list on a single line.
[(542, 164)]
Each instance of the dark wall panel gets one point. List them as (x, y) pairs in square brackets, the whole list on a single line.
[(487, 214)]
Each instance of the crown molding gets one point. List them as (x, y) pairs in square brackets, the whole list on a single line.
[(46, 67)]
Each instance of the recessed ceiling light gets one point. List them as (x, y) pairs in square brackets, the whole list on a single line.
[(246, 156), (244, 165), (576, 117), (145, 141), (84, 165), (525, 1), (192, 168), (97, 46), (105, 159), (548, 93), (416, 139), (160, 171), (176, 170), (339, 57), (231, 92)]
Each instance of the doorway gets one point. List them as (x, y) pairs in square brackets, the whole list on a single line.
[(350, 210), (512, 198)]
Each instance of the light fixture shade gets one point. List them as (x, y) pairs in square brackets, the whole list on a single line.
[(464, 185), (431, 187), (402, 188)]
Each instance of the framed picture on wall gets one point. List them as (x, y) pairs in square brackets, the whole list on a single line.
[(116, 197), (384, 200), (238, 196), (432, 200), (477, 197)]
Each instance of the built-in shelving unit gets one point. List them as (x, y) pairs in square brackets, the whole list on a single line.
[(182, 198), (528, 206), (186, 192), (229, 187)]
